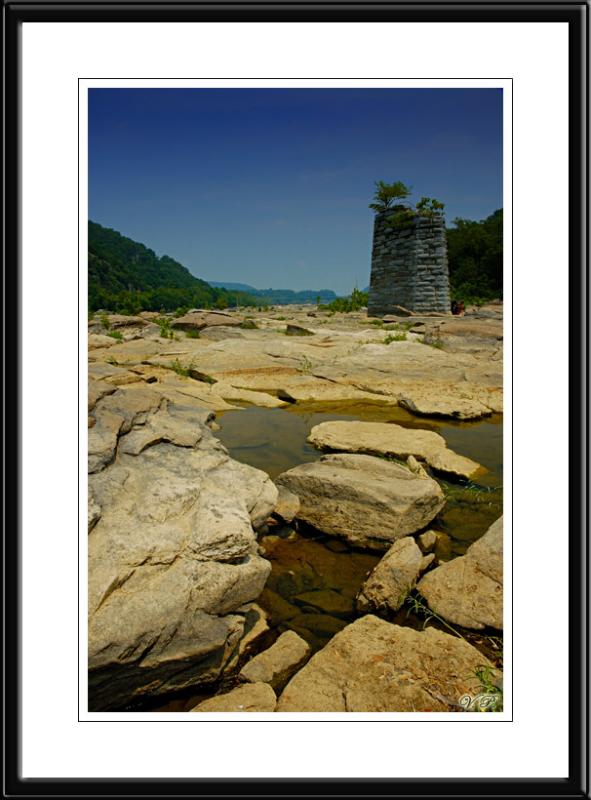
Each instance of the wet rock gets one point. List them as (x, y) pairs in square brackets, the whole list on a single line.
[(443, 547), (278, 663), (255, 627), (394, 577), (278, 608), (468, 591), (388, 439), (250, 697), (288, 505), (427, 541), (368, 501), (303, 565), (327, 601), (321, 625), (373, 665)]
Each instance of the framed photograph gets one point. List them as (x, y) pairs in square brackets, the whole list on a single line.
[(291, 289)]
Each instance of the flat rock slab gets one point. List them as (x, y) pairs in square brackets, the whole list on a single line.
[(373, 665), (297, 330), (394, 577), (276, 665), (197, 320), (368, 501), (440, 404), (123, 321), (468, 591), (251, 697), (97, 340), (388, 439)]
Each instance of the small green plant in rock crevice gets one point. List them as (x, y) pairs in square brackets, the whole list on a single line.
[(395, 337), (422, 609), (193, 334), (105, 322), (190, 371), (489, 695), (306, 365), (177, 367), (435, 342), (115, 335)]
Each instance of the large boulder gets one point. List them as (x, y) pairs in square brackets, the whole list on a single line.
[(394, 577), (373, 665), (388, 439), (368, 501), (468, 591), (173, 561)]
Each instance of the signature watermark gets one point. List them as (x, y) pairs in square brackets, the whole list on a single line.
[(481, 702)]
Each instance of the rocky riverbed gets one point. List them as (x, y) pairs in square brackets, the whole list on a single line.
[(280, 502)]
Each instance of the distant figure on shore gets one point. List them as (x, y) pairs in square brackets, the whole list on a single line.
[(458, 308)]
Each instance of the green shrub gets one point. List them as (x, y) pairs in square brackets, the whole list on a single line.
[(193, 334), (115, 335), (165, 330), (356, 301), (249, 324)]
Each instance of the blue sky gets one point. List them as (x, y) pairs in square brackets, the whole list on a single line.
[(271, 186)]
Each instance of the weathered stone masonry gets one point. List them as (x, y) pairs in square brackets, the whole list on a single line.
[(409, 266)]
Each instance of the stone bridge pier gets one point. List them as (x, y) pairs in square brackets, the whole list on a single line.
[(409, 265)]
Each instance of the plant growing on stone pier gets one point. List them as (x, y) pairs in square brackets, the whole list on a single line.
[(389, 196), (429, 206)]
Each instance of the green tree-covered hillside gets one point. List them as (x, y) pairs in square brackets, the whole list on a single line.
[(126, 276), (475, 254)]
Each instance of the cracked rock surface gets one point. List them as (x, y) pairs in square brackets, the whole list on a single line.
[(468, 591), (373, 665), (173, 561)]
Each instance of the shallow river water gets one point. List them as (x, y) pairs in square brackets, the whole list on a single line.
[(315, 578)]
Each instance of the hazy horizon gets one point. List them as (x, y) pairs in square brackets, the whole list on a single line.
[(270, 187)]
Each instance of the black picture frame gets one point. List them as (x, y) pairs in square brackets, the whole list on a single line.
[(575, 14)]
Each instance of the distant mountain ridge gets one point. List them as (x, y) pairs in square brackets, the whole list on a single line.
[(278, 296)]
